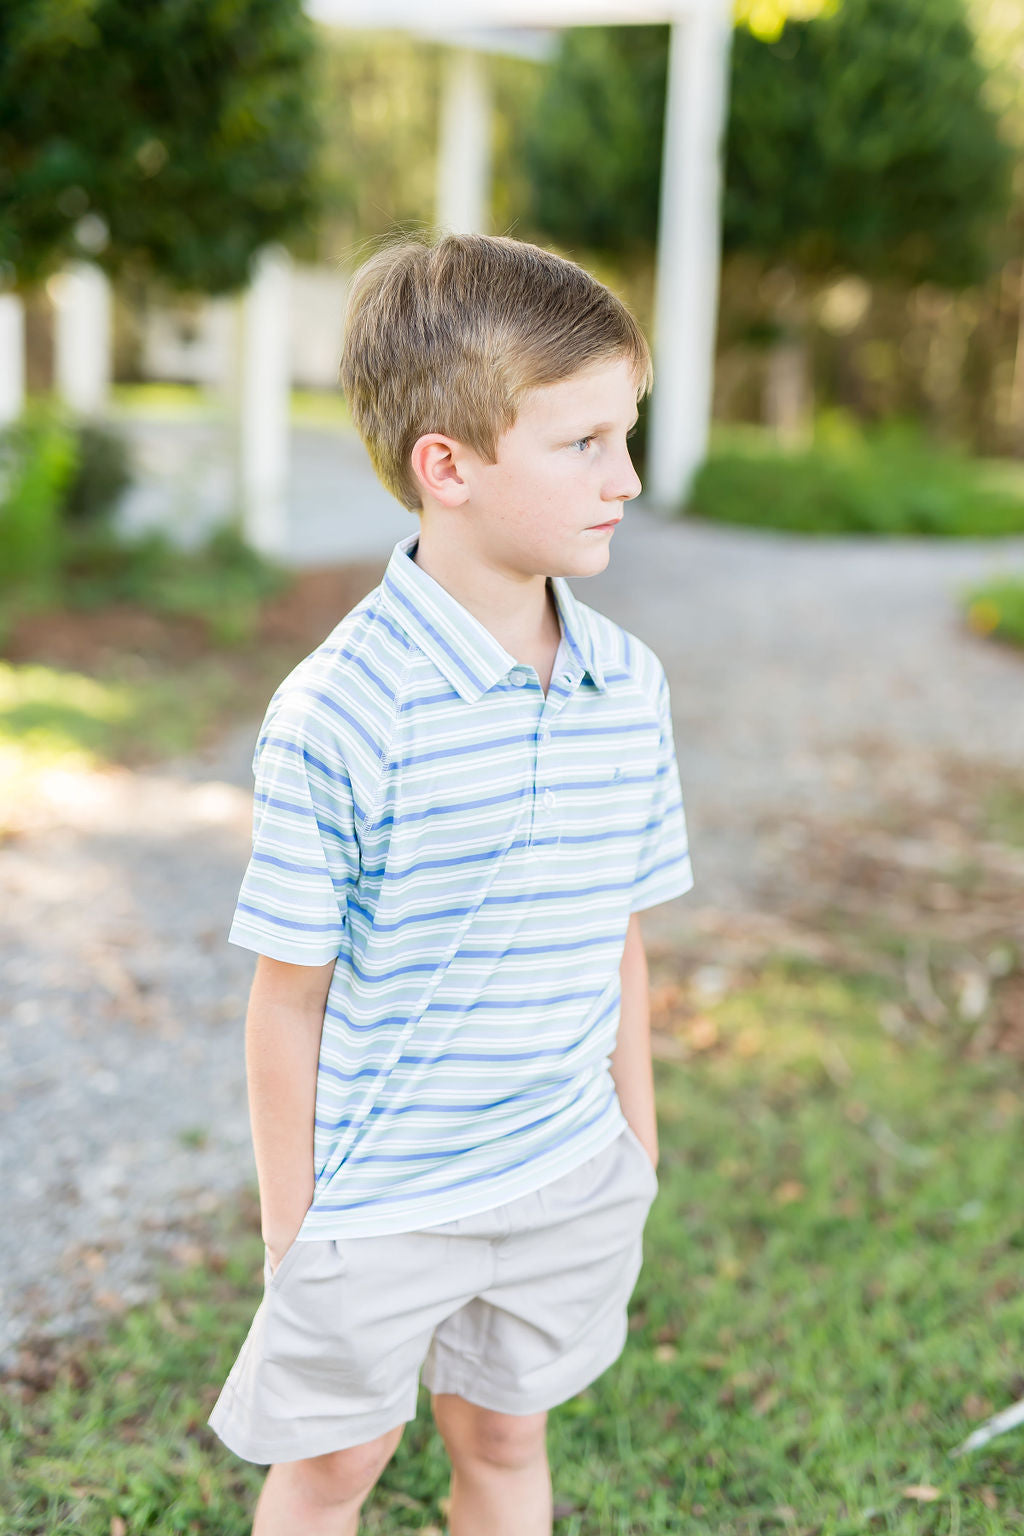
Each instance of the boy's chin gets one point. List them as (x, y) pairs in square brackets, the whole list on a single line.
[(590, 562)]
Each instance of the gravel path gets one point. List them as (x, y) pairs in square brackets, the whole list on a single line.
[(805, 673)]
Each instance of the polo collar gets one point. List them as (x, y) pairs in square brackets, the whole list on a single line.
[(461, 648)]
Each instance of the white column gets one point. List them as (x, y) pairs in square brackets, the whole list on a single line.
[(464, 144), (82, 337), (264, 390), (12, 358), (689, 251)]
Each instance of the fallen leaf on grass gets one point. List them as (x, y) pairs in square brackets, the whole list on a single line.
[(765, 1401), (702, 1033), (924, 1493), (790, 1190)]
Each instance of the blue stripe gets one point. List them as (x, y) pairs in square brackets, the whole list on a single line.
[(308, 811), (571, 894), (375, 616), (430, 698), (477, 1178), (337, 776), (459, 661), (463, 750), (608, 730), (429, 966), (344, 714), (523, 1003), (298, 869), (656, 869), (487, 1056), (287, 922), (454, 807)]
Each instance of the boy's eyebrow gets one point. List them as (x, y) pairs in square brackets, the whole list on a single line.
[(607, 426)]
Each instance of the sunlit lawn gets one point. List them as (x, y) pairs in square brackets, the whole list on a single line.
[(157, 401), (831, 1300)]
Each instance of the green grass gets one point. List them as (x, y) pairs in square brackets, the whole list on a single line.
[(830, 1301), (52, 719), (996, 608), (884, 482)]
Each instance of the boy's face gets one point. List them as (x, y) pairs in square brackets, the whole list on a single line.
[(549, 505)]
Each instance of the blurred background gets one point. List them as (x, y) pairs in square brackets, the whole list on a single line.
[(816, 210)]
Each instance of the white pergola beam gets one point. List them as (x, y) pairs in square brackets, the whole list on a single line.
[(689, 234), (688, 253), (12, 358), (264, 396), (464, 144), (82, 337), (407, 15)]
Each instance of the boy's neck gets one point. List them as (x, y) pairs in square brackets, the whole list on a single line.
[(519, 611)]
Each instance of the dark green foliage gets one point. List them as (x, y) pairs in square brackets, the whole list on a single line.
[(102, 473), (593, 148), (186, 127), (37, 462), (59, 485), (889, 484), (862, 142), (54, 473), (223, 583), (858, 142)]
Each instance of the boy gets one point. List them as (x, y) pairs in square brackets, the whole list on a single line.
[(463, 798)]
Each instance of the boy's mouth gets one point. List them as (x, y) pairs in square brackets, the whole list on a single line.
[(611, 523)]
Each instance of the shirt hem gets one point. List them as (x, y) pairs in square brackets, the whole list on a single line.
[(336, 1226)]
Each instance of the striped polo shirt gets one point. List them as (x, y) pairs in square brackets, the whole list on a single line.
[(467, 851)]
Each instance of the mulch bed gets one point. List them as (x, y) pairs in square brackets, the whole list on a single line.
[(88, 640)]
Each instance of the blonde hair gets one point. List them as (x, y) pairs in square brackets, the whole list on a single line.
[(448, 336)]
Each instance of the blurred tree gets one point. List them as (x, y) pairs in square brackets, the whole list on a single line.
[(859, 140), (592, 146), (172, 139), (378, 100), (862, 142), (1000, 29)]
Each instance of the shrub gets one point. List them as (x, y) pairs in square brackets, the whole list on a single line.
[(38, 457), (997, 608), (891, 484), (102, 474)]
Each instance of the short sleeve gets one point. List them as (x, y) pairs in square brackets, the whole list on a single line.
[(663, 868), (305, 857)]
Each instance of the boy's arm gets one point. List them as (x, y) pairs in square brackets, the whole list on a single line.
[(631, 1068), (282, 1047)]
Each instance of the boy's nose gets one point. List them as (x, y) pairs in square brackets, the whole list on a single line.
[(627, 484)]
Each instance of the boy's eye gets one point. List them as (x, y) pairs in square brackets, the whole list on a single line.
[(581, 442)]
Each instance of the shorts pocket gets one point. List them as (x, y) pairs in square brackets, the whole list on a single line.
[(642, 1153), (273, 1278)]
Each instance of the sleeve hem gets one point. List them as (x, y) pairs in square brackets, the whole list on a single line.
[(665, 891), (280, 949)]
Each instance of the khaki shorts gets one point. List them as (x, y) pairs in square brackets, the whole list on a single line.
[(516, 1309)]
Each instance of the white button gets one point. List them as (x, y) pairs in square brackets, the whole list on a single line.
[(545, 733), (517, 679), (548, 800)]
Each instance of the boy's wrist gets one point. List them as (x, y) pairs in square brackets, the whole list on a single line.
[(280, 1227)]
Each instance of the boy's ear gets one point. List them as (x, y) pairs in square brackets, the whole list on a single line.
[(434, 462)]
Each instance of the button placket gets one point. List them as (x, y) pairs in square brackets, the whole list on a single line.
[(543, 819)]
